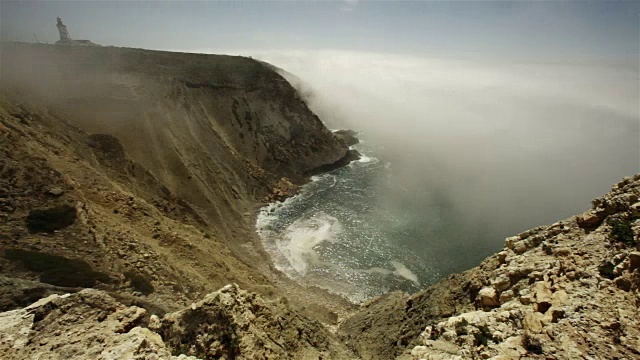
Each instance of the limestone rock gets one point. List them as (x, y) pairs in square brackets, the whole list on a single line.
[(634, 260), (501, 283), (510, 242), (635, 209), (86, 325), (588, 219), (573, 297), (488, 297), (229, 323), (233, 323), (542, 296)]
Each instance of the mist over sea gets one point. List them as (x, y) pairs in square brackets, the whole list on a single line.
[(459, 155)]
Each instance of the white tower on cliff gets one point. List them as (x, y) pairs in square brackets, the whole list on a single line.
[(64, 33)]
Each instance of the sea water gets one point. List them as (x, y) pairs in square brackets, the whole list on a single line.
[(337, 233)]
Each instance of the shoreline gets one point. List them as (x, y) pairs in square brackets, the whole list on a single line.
[(305, 294), (317, 302)]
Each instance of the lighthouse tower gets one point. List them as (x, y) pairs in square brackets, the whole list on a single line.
[(64, 33)]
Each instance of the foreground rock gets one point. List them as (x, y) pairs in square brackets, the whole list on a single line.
[(86, 325), (227, 324), (233, 323), (566, 291)]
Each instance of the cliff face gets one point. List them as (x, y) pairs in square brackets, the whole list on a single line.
[(205, 125), (143, 169)]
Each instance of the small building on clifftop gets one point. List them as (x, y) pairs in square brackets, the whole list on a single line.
[(65, 39)]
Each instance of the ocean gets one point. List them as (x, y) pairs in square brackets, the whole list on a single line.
[(337, 233)]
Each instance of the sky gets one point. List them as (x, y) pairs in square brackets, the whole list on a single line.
[(548, 30)]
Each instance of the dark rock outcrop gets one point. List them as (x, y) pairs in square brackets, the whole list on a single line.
[(352, 155), (57, 270), (347, 136), (51, 219)]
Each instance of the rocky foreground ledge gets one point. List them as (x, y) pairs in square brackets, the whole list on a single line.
[(228, 324)]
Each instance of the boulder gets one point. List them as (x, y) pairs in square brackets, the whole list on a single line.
[(510, 242), (542, 296), (634, 260), (635, 209), (501, 283), (588, 219), (532, 322), (521, 247), (55, 191), (488, 297), (502, 257), (506, 296)]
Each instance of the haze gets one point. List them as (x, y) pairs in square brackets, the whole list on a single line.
[(514, 114), (499, 147)]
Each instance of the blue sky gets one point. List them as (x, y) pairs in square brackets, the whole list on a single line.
[(546, 29)]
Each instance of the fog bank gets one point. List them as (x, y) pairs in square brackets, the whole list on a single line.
[(502, 146)]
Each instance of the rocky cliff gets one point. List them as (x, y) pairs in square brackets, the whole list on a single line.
[(139, 173), (129, 181)]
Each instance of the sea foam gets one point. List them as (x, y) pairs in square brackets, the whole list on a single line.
[(403, 271), (302, 236)]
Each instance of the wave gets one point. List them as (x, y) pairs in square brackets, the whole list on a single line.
[(366, 159), (403, 271), (323, 235), (299, 239)]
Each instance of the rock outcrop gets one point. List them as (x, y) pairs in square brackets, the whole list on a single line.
[(86, 325), (347, 136), (227, 324)]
